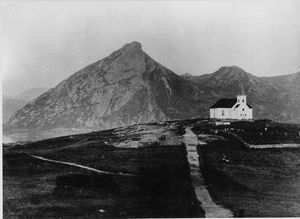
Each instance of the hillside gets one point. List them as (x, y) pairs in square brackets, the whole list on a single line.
[(122, 182), (154, 171)]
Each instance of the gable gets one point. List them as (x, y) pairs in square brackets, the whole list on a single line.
[(247, 106), (224, 103)]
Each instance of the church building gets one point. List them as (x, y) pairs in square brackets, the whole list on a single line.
[(234, 108)]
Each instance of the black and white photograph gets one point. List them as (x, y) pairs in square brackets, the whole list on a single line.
[(150, 109)]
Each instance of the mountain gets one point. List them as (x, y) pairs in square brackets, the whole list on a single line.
[(9, 106), (187, 75), (13, 103), (30, 94), (129, 87), (288, 96), (7, 96), (276, 98), (229, 81)]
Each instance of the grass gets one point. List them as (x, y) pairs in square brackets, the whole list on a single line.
[(267, 132), (265, 183), (38, 189), (258, 132)]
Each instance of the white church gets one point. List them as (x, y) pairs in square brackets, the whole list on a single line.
[(235, 108)]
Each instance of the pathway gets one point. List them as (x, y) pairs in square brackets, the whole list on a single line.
[(211, 209), (81, 166)]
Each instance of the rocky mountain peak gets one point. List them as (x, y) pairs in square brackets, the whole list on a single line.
[(129, 50), (231, 70), (187, 75), (111, 92), (124, 63), (232, 73), (133, 45)]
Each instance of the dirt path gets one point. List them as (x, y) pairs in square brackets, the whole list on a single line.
[(211, 209), (81, 166)]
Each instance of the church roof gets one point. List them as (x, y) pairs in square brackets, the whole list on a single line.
[(224, 103)]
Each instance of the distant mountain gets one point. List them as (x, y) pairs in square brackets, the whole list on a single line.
[(9, 106), (7, 96), (231, 80), (129, 87), (13, 103), (276, 98), (30, 94), (187, 75), (288, 95)]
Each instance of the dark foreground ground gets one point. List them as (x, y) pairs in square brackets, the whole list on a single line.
[(40, 189), (267, 132), (251, 182)]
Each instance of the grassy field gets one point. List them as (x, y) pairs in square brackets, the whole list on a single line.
[(267, 132), (252, 183), (263, 183), (38, 189)]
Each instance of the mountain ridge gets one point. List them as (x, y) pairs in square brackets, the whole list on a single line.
[(129, 87)]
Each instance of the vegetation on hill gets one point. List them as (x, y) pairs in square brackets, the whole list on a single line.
[(39, 189), (252, 183), (267, 132), (249, 182)]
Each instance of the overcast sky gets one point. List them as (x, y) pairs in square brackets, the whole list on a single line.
[(45, 42)]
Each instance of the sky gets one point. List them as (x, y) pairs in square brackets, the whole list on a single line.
[(44, 42)]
